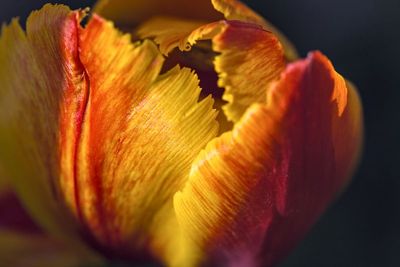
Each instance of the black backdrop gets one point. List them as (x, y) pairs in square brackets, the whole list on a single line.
[(362, 38)]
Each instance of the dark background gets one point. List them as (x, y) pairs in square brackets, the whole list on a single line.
[(362, 38)]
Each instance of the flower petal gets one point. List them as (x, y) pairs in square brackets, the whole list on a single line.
[(235, 10), (170, 32), (254, 192), (250, 57), (132, 13), (250, 60), (41, 92), (140, 134)]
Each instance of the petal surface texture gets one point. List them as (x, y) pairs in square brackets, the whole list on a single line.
[(42, 94), (249, 59), (254, 192), (140, 134)]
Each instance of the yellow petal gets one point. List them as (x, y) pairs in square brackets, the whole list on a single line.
[(170, 32), (254, 192), (133, 12), (129, 14), (250, 57), (250, 60), (140, 133), (41, 88)]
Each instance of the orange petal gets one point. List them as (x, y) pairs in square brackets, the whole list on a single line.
[(235, 10), (42, 91), (254, 192), (250, 57), (140, 134), (30, 101), (132, 13), (350, 127)]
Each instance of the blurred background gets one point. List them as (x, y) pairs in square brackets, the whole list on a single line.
[(362, 38)]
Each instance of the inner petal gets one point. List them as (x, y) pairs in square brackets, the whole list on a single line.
[(140, 134), (246, 57), (200, 59), (129, 14)]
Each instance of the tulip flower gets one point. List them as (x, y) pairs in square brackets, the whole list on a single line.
[(189, 134)]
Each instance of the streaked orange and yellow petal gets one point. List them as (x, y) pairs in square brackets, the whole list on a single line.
[(254, 192), (140, 133), (38, 71), (42, 93)]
